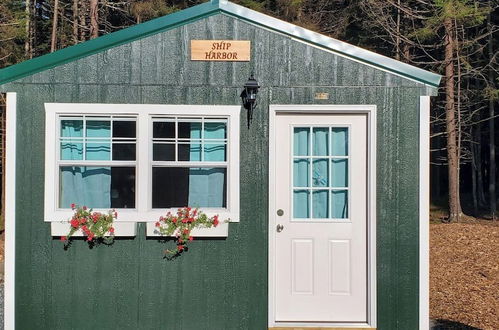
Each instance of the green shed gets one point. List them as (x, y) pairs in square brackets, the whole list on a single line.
[(314, 151)]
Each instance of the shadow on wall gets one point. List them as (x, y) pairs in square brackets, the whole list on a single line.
[(448, 325)]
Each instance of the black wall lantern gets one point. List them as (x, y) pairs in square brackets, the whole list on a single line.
[(248, 95)]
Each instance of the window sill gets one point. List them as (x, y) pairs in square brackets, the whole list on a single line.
[(121, 229), (222, 230)]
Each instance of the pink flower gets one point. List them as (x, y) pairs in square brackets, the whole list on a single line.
[(191, 238), (215, 220), (73, 206), (75, 223), (158, 224), (84, 208), (180, 247), (64, 238), (111, 230), (116, 214)]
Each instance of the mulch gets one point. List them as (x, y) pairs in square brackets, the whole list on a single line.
[(464, 274)]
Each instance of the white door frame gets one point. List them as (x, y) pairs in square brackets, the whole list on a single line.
[(370, 111)]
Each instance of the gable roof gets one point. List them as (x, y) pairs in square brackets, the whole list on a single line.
[(204, 10)]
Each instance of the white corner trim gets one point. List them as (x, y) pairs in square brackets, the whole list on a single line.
[(371, 111), (10, 212), (424, 213)]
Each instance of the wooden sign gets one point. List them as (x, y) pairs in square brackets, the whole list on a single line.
[(221, 50), (321, 96)]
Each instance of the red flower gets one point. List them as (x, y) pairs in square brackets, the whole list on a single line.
[(186, 231), (83, 220), (184, 220), (116, 214), (215, 220), (84, 208), (180, 247), (194, 212), (161, 218), (111, 230), (191, 238), (73, 206), (64, 238), (174, 220), (74, 223), (158, 224), (189, 209)]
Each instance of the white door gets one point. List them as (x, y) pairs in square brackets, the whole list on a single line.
[(320, 225)]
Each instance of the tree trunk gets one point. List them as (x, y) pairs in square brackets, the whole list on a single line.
[(450, 116), (83, 21), (28, 42), (492, 149), (75, 21), (475, 167), (397, 53), (479, 176), (53, 43), (94, 19)]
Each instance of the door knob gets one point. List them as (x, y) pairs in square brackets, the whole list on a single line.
[(280, 228), (280, 212)]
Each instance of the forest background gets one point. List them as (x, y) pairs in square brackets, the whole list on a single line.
[(455, 38)]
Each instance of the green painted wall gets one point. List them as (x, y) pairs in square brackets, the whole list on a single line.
[(218, 284)]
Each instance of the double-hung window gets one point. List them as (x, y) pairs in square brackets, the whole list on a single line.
[(142, 160)]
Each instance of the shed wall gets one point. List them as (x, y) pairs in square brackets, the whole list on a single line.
[(218, 284)]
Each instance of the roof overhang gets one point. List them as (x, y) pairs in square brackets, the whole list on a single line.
[(204, 10)]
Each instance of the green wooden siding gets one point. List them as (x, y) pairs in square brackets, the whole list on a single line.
[(219, 283)]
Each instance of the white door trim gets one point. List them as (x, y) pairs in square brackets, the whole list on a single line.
[(10, 211), (370, 111)]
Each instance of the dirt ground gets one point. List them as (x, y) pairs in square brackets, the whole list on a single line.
[(464, 274)]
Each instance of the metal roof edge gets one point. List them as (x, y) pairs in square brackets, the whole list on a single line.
[(195, 13), (340, 47), (90, 47)]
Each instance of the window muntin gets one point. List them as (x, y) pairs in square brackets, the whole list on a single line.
[(97, 161), (320, 169), (189, 162)]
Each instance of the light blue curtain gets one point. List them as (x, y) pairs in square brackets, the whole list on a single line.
[(89, 186), (207, 185)]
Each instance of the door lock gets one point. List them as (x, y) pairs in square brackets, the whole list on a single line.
[(280, 228)]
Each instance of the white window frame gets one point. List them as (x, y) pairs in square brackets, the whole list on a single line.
[(125, 224)]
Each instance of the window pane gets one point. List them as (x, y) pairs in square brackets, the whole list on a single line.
[(301, 172), (340, 173), (301, 141), (163, 152), (163, 130), (320, 204), (98, 151), (183, 186), (71, 150), (301, 202), (320, 173), (124, 129), (340, 141), (214, 152), (97, 187), (189, 152), (215, 130), (340, 204), (98, 128), (71, 128), (124, 151), (321, 141)]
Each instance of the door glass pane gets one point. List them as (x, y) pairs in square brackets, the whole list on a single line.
[(301, 141), (320, 175), (321, 141), (320, 204), (340, 173), (340, 204), (340, 141), (301, 202), (301, 172)]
